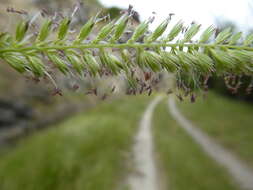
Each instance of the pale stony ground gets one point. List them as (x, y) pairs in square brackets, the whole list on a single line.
[(238, 170), (144, 175)]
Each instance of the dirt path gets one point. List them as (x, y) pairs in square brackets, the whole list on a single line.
[(238, 170), (145, 174)]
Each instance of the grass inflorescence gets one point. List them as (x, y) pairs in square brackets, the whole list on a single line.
[(55, 46)]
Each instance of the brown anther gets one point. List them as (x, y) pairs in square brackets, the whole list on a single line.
[(169, 91), (57, 91), (44, 13), (12, 10), (187, 92), (88, 92), (95, 91), (147, 75), (205, 88), (141, 90), (170, 15), (193, 98), (150, 92), (179, 96), (249, 89), (104, 96), (151, 19), (206, 78), (113, 89), (36, 80), (132, 72), (75, 87), (129, 91)]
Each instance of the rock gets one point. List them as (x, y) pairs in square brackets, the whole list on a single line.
[(11, 113), (7, 117), (22, 111)]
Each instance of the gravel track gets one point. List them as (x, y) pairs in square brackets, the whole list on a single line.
[(144, 175), (241, 173)]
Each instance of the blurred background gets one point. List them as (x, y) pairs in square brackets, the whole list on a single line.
[(83, 139)]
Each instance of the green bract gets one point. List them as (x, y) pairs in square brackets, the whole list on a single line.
[(139, 31), (75, 61), (85, 30), (120, 26), (158, 31), (174, 31), (104, 32), (206, 35), (36, 66), (223, 36), (45, 30), (21, 30), (16, 61), (191, 32), (91, 64), (63, 28), (59, 63)]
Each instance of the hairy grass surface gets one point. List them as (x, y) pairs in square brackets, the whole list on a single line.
[(85, 152), (228, 121), (185, 165)]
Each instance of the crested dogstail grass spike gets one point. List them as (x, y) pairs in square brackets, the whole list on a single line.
[(141, 58)]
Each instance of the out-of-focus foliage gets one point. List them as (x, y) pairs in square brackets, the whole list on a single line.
[(227, 121), (243, 82), (87, 151), (185, 165)]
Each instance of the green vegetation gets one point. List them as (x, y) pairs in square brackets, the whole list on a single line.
[(228, 121), (85, 152), (185, 165)]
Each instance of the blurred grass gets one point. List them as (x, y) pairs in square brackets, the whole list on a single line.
[(185, 166), (87, 151), (229, 122)]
